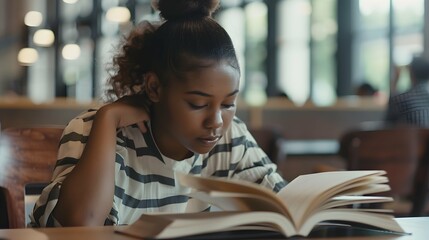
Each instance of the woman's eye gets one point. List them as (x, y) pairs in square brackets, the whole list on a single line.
[(195, 106), (228, 105)]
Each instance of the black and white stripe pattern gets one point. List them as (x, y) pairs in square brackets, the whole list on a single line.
[(145, 179), (411, 107)]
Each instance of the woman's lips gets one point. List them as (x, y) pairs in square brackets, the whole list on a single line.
[(209, 140)]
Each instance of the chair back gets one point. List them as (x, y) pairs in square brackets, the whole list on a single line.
[(27, 156), (401, 151)]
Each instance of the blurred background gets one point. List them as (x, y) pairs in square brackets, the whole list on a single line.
[(315, 51), (312, 69)]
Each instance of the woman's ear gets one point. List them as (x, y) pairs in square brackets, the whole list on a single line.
[(152, 86)]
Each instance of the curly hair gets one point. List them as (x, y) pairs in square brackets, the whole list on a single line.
[(187, 34), (131, 63)]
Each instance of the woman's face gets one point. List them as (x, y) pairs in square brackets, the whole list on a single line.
[(194, 112)]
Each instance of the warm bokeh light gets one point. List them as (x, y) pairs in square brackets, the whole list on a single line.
[(33, 19), (71, 51), (118, 14), (27, 56), (70, 1), (44, 37)]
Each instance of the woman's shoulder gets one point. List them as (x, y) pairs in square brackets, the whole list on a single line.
[(88, 114), (82, 123)]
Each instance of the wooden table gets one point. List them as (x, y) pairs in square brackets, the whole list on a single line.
[(419, 227)]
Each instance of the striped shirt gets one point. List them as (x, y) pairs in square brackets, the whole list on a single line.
[(145, 179)]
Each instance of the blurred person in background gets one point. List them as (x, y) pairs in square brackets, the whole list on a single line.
[(411, 106), (366, 89)]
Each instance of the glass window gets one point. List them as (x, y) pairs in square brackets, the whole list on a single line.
[(408, 37), (374, 14), (247, 26), (408, 13), (406, 46), (41, 74), (293, 49), (373, 52), (324, 31), (76, 50), (383, 32), (256, 52), (371, 49), (233, 20), (373, 64)]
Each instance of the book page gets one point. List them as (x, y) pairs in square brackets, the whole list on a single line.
[(238, 201), (351, 200), (308, 192), (383, 221), (187, 224), (366, 189), (232, 186), (305, 196)]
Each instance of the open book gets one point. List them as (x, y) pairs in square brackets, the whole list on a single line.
[(304, 203)]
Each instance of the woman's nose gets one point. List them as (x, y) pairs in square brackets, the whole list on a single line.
[(215, 120)]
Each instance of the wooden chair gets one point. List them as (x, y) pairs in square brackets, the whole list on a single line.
[(403, 152), (270, 140), (27, 155)]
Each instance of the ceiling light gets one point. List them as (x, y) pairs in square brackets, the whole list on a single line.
[(44, 37), (70, 1), (27, 56), (33, 19), (118, 14), (71, 51)]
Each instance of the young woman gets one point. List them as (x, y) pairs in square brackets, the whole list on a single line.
[(177, 85)]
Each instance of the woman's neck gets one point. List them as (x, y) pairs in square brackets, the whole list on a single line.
[(167, 144)]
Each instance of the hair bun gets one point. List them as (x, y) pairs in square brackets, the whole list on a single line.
[(177, 9)]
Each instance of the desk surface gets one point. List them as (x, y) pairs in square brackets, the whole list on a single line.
[(419, 227)]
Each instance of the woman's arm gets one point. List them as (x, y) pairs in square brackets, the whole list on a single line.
[(86, 194)]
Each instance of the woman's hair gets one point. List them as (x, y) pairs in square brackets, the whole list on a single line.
[(188, 34)]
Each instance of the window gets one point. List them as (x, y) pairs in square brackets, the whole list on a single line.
[(324, 45), (387, 31), (294, 49), (306, 40), (408, 35)]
